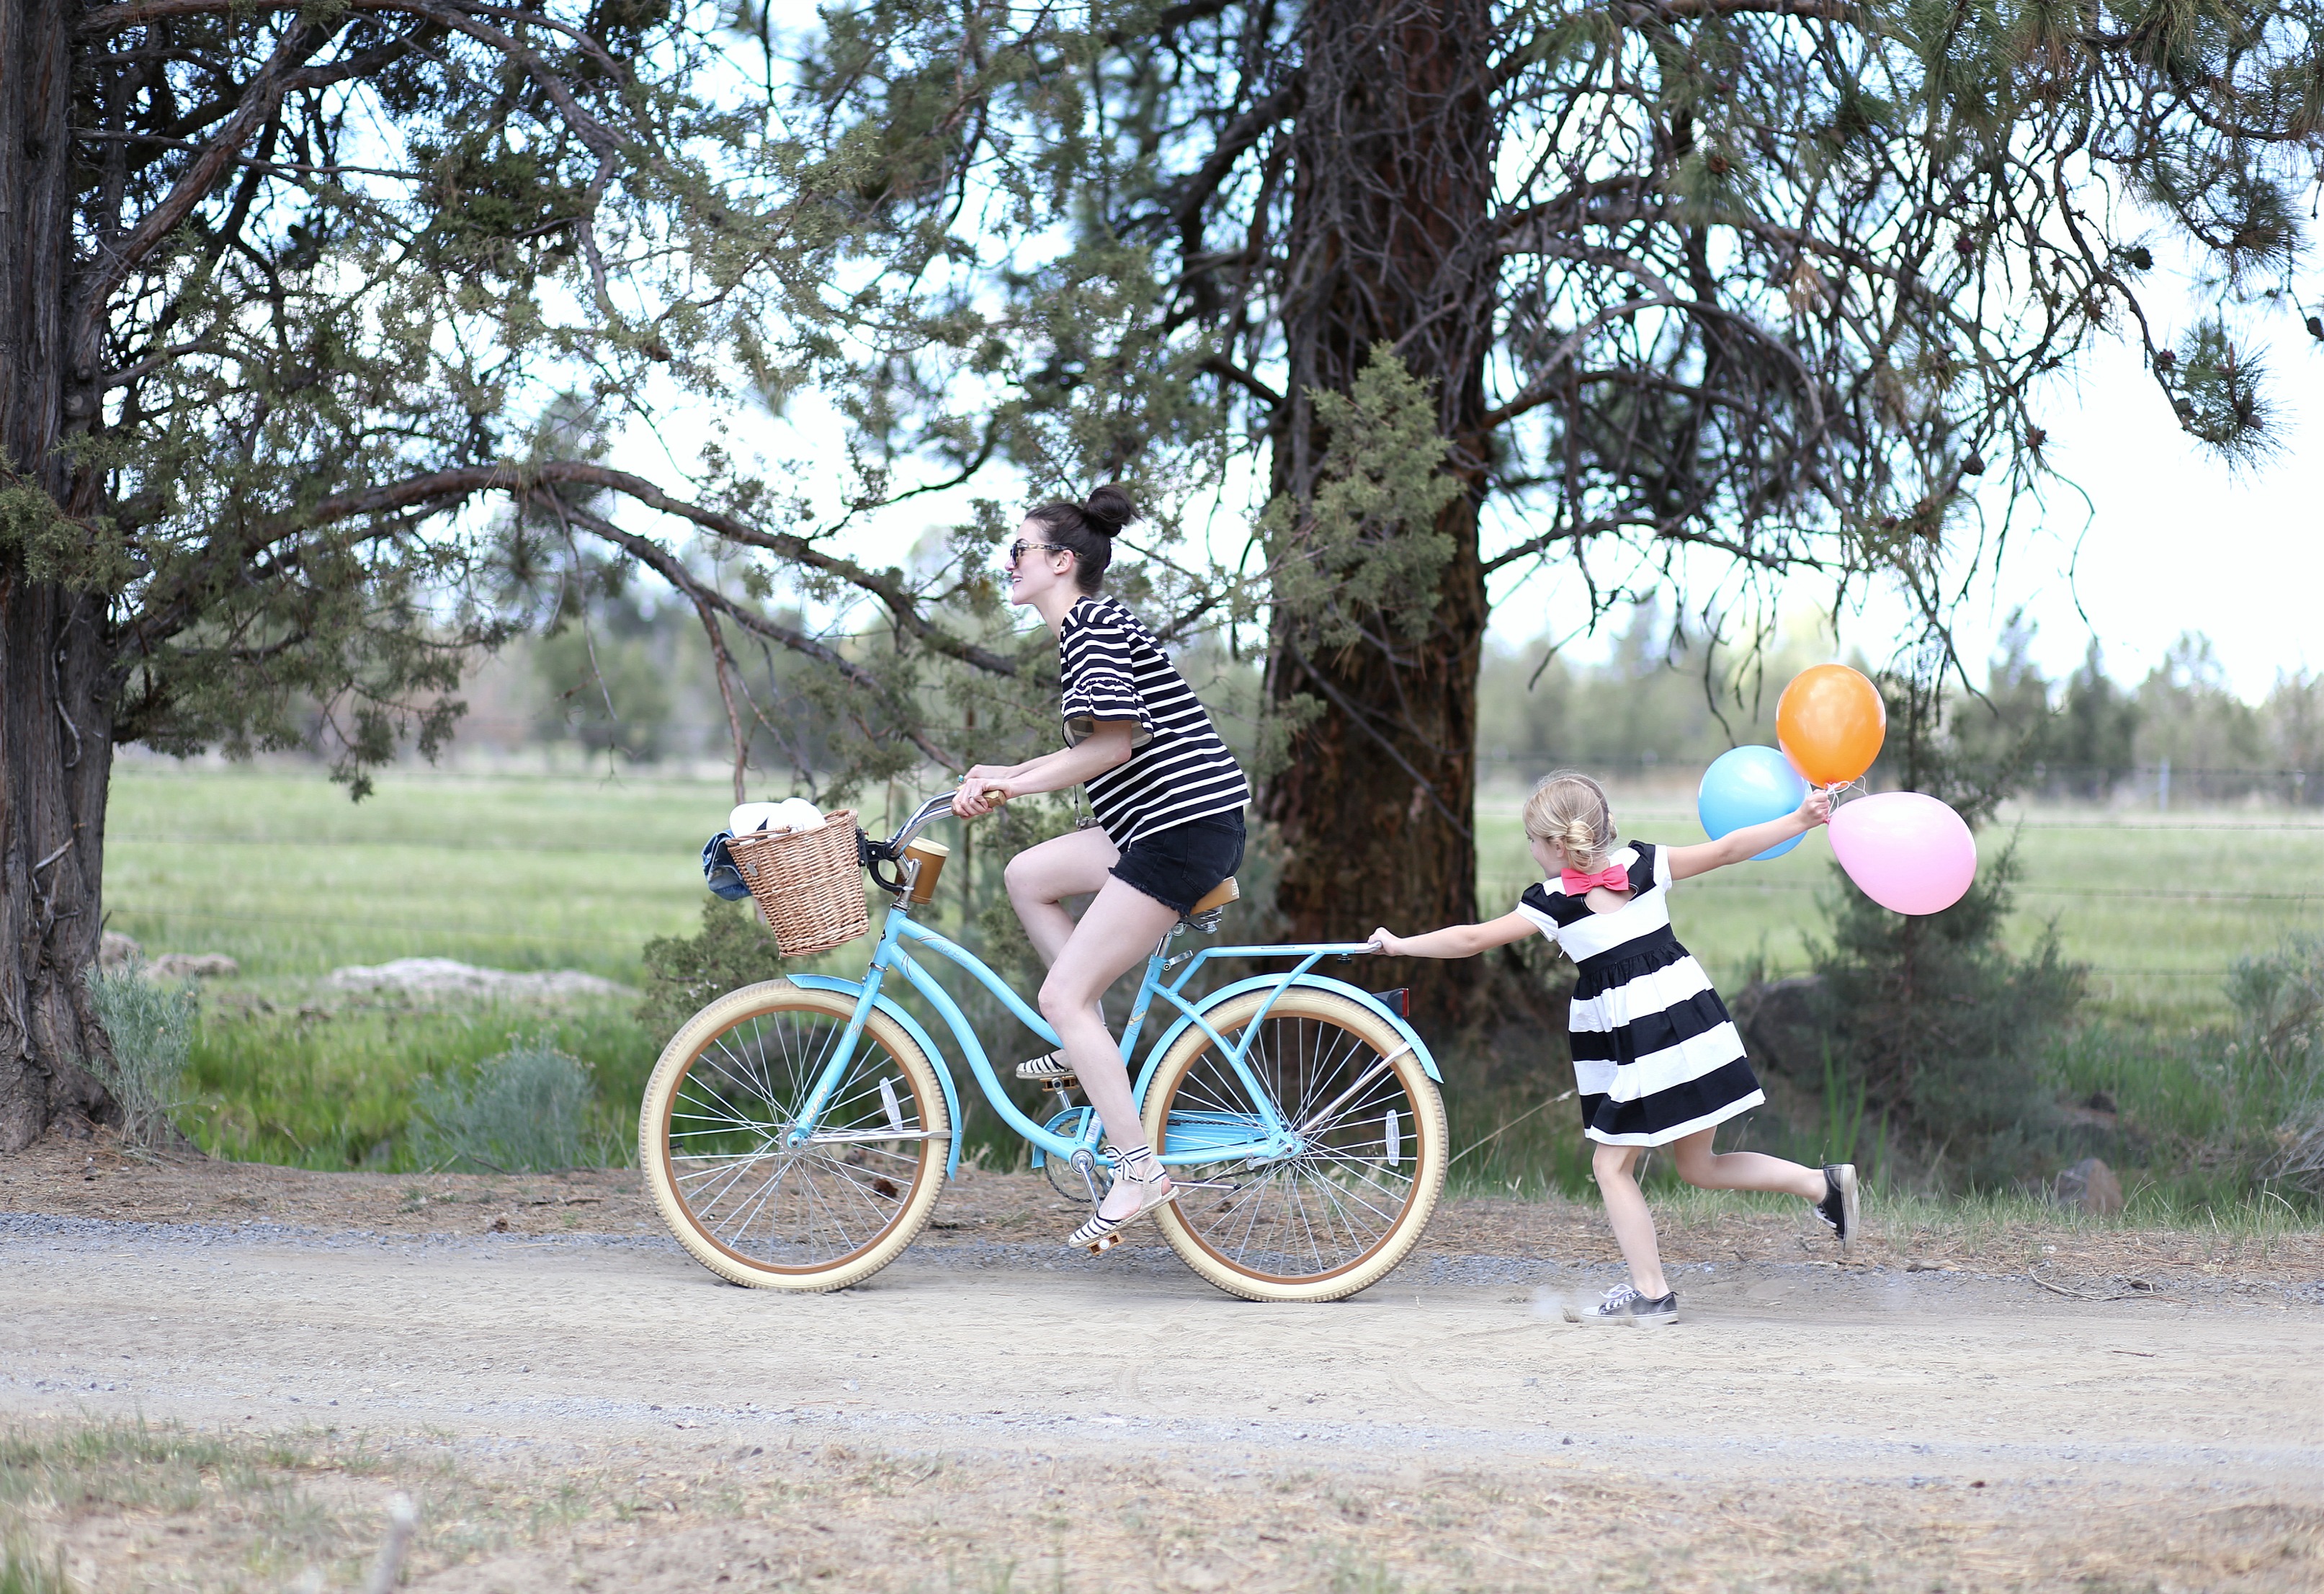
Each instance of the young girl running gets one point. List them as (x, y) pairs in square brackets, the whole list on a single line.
[(1168, 799), (1656, 1059)]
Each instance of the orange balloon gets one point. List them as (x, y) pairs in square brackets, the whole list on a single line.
[(1830, 723)]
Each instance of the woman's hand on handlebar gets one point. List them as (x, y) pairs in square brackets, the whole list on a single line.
[(980, 792)]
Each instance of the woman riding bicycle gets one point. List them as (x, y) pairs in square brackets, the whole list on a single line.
[(1168, 800)]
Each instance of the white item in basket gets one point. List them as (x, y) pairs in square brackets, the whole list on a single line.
[(799, 814), (792, 813), (752, 816)]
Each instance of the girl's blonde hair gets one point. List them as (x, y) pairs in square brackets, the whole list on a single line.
[(1570, 807)]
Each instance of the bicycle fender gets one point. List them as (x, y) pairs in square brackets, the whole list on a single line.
[(911, 1026), (1260, 982)]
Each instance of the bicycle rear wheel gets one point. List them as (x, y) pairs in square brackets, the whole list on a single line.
[(714, 1140), (1336, 1211)]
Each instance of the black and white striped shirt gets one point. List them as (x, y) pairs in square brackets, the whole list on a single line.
[(1112, 670)]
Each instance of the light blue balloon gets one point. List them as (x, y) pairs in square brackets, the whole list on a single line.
[(1749, 786)]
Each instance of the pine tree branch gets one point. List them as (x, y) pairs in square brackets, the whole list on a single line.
[(1240, 135), (709, 600), (439, 491), (259, 100), (1218, 365)]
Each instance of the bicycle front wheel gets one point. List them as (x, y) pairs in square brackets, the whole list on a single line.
[(715, 1140), (1336, 1209)]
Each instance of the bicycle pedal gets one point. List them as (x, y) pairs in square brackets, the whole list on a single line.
[(1061, 1084), (1099, 1247)]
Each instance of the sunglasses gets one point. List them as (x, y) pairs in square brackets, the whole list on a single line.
[(1018, 550)]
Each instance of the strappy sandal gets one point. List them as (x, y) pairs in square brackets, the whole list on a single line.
[(1101, 1234), (1047, 1068)]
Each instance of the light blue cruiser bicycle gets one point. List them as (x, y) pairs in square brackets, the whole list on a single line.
[(795, 1134)]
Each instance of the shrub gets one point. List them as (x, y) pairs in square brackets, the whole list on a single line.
[(683, 972), (2298, 1161), (2273, 1074), (1941, 1028), (525, 1111), (2279, 1019), (151, 1028)]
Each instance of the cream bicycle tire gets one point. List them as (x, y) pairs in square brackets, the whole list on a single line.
[(1201, 1225), (682, 1180)]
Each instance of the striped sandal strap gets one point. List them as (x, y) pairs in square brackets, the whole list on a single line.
[(1094, 1230), (1051, 1066), (1139, 1168)]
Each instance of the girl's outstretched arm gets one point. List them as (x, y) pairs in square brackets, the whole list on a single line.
[(1752, 839), (1457, 940)]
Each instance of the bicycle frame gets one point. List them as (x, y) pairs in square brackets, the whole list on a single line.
[(1270, 1137)]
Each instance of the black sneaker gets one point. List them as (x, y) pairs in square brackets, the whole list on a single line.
[(1838, 1207), (1623, 1305)]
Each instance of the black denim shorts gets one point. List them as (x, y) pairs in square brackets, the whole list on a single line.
[(1178, 866)]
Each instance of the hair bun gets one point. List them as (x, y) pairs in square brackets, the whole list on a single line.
[(1108, 510)]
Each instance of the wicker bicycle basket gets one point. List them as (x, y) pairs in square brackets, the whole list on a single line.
[(808, 884)]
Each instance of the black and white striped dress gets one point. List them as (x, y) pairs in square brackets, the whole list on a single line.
[(1112, 669), (1655, 1056)]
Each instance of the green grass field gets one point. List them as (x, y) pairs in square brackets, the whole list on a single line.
[(274, 866), (278, 869)]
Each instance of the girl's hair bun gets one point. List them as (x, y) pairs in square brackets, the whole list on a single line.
[(1569, 807), (1108, 510)]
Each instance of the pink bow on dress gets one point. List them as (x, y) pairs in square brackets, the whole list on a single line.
[(1612, 877)]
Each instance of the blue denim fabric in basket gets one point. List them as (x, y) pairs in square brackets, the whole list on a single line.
[(718, 870)]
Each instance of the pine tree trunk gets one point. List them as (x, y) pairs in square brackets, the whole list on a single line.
[(1390, 241), (56, 692)]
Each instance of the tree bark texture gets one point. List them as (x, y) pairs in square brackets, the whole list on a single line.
[(1389, 242), (55, 669)]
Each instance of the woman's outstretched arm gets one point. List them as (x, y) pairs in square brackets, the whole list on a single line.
[(1107, 746)]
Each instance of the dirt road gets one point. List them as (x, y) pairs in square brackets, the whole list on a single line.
[(981, 1416)]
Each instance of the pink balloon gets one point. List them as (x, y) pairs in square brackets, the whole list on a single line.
[(1906, 851)]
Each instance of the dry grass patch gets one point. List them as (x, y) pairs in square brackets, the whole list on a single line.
[(133, 1507)]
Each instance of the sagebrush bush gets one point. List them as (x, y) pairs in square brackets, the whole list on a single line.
[(1943, 1028), (2272, 1075), (151, 1028), (686, 972), (525, 1111), (2279, 1018), (2299, 1160)]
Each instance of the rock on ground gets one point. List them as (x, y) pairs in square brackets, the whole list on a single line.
[(444, 975), (193, 966), (116, 951), (2091, 1186)]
